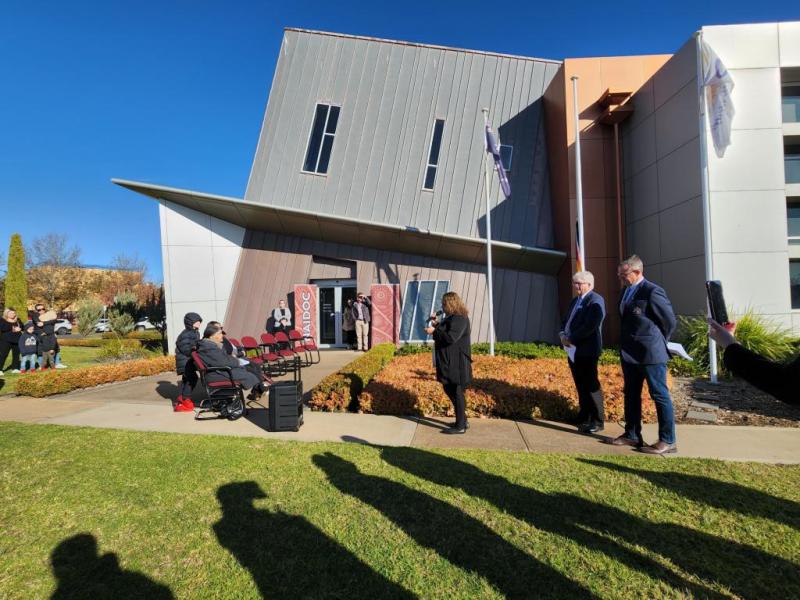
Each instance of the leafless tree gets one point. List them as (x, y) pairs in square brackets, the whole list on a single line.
[(52, 262)]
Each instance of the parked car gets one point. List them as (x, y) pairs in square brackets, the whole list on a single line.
[(63, 327), (102, 326), (143, 324)]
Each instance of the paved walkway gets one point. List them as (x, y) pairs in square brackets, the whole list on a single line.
[(145, 405)]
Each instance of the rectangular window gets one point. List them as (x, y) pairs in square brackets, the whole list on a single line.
[(421, 300), (794, 282), (320, 142), (506, 154), (793, 219), (433, 154), (790, 102)]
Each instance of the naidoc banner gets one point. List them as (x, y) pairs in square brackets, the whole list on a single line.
[(719, 106), (385, 325), (305, 310)]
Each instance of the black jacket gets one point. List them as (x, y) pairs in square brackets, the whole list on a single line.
[(28, 343), (365, 307), (647, 323), (213, 355), (186, 341), (6, 333), (585, 329), (453, 350), (779, 380)]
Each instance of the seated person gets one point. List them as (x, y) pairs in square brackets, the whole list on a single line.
[(281, 318), (777, 379), (212, 354), (237, 353)]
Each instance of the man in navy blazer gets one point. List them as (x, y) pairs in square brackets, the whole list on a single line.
[(581, 330), (647, 324)]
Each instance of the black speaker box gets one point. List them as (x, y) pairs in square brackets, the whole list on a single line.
[(285, 406)]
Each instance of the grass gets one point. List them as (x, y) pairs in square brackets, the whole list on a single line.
[(70, 355), (99, 513)]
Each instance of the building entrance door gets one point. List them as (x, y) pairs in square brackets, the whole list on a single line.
[(333, 296)]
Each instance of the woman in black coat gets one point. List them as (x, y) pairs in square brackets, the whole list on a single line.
[(10, 330), (453, 355)]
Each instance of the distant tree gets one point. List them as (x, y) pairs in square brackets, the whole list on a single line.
[(89, 312), (16, 283), (155, 310), (122, 315), (53, 265), (131, 269)]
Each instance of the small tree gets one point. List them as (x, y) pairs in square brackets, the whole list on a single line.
[(89, 312), (156, 311), (122, 315), (16, 284)]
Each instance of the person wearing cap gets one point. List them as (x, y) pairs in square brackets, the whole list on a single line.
[(186, 342)]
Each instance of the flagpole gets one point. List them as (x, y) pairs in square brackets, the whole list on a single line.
[(488, 239), (709, 262), (578, 173)]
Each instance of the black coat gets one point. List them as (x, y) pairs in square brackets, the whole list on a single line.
[(585, 329), (453, 350), (6, 333), (187, 340), (213, 355), (647, 323), (778, 380)]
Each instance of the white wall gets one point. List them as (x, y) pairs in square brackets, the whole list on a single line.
[(747, 186), (199, 254)]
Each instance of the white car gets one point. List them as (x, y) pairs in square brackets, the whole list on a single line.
[(143, 325), (63, 327), (102, 326)]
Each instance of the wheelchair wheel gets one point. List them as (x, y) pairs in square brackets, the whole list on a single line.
[(236, 407)]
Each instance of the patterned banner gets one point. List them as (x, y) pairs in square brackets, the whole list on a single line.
[(305, 310), (385, 313)]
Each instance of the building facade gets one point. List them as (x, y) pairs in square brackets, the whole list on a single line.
[(370, 167)]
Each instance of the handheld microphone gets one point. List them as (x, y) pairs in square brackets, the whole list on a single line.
[(438, 314)]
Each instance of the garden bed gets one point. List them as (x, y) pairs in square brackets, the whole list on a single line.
[(501, 387)]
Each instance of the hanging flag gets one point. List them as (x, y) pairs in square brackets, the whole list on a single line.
[(494, 150), (719, 106), (578, 262)]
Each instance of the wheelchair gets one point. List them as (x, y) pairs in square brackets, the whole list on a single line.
[(224, 399)]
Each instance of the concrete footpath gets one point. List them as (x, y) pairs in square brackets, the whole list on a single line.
[(145, 404)]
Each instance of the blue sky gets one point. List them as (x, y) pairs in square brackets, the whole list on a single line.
[(173, 91)]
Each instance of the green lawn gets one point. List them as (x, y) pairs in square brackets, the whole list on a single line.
[(72, 356), (220, 517)]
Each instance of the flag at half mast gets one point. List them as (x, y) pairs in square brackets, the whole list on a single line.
[(494, 149)]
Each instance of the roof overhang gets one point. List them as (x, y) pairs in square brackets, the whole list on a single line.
[(347, 230)]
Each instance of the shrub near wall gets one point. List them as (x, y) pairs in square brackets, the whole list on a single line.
[(52, 382), (339, 391), (529, 350)]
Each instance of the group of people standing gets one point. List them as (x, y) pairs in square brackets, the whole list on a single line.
[(33, 345)]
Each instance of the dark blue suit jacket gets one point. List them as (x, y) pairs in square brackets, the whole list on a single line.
[(585, 330), (647, 324)]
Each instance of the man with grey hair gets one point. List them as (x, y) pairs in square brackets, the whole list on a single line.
[(647, 323), (581, 335)]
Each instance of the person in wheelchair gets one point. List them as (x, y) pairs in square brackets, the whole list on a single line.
[(211, 351), (238, 353)]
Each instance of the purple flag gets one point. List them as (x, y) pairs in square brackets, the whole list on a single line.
[(494, 149)]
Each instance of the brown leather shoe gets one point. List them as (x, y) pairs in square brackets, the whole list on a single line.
[(624, 440), (659, 448)]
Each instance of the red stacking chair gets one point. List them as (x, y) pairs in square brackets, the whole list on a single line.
[(306, 344), (226, 397), (252, 351), (285, 350), (235, 343), (275, 363)]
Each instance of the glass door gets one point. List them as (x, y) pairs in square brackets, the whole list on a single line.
[(333, 296)]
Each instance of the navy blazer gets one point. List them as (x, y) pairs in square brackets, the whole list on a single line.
[(585, 330), (648, 321)]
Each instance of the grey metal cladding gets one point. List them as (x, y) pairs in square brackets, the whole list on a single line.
[(390, 94)]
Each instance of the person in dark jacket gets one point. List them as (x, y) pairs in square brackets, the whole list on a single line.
[(581, 335), (237, 353), (361, 319), (211, 352), (780, 380), (10, 329), (45, 321), (453, 354), (28, 348), (184, 345)]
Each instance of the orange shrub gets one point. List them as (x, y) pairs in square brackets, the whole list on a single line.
[(501, 387), (52, 382)]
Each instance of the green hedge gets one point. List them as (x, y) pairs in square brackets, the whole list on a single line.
[(339, 391), (530, 350), (82, 342), (149, 334)]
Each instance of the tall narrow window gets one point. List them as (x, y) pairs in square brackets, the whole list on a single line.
[(433, 154), (506, 154), (794, 282), (422, 299), (320, 143)]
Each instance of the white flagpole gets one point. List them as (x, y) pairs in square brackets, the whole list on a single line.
[(578, 172), (488, 237), (712, 345)]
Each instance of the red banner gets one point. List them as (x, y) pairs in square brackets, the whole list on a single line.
[(305, 310), (385, 324)]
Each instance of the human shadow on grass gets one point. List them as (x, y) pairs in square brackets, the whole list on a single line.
[(457, 537), (81, 573), (744, 570), (719, 494), (288, 557)]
